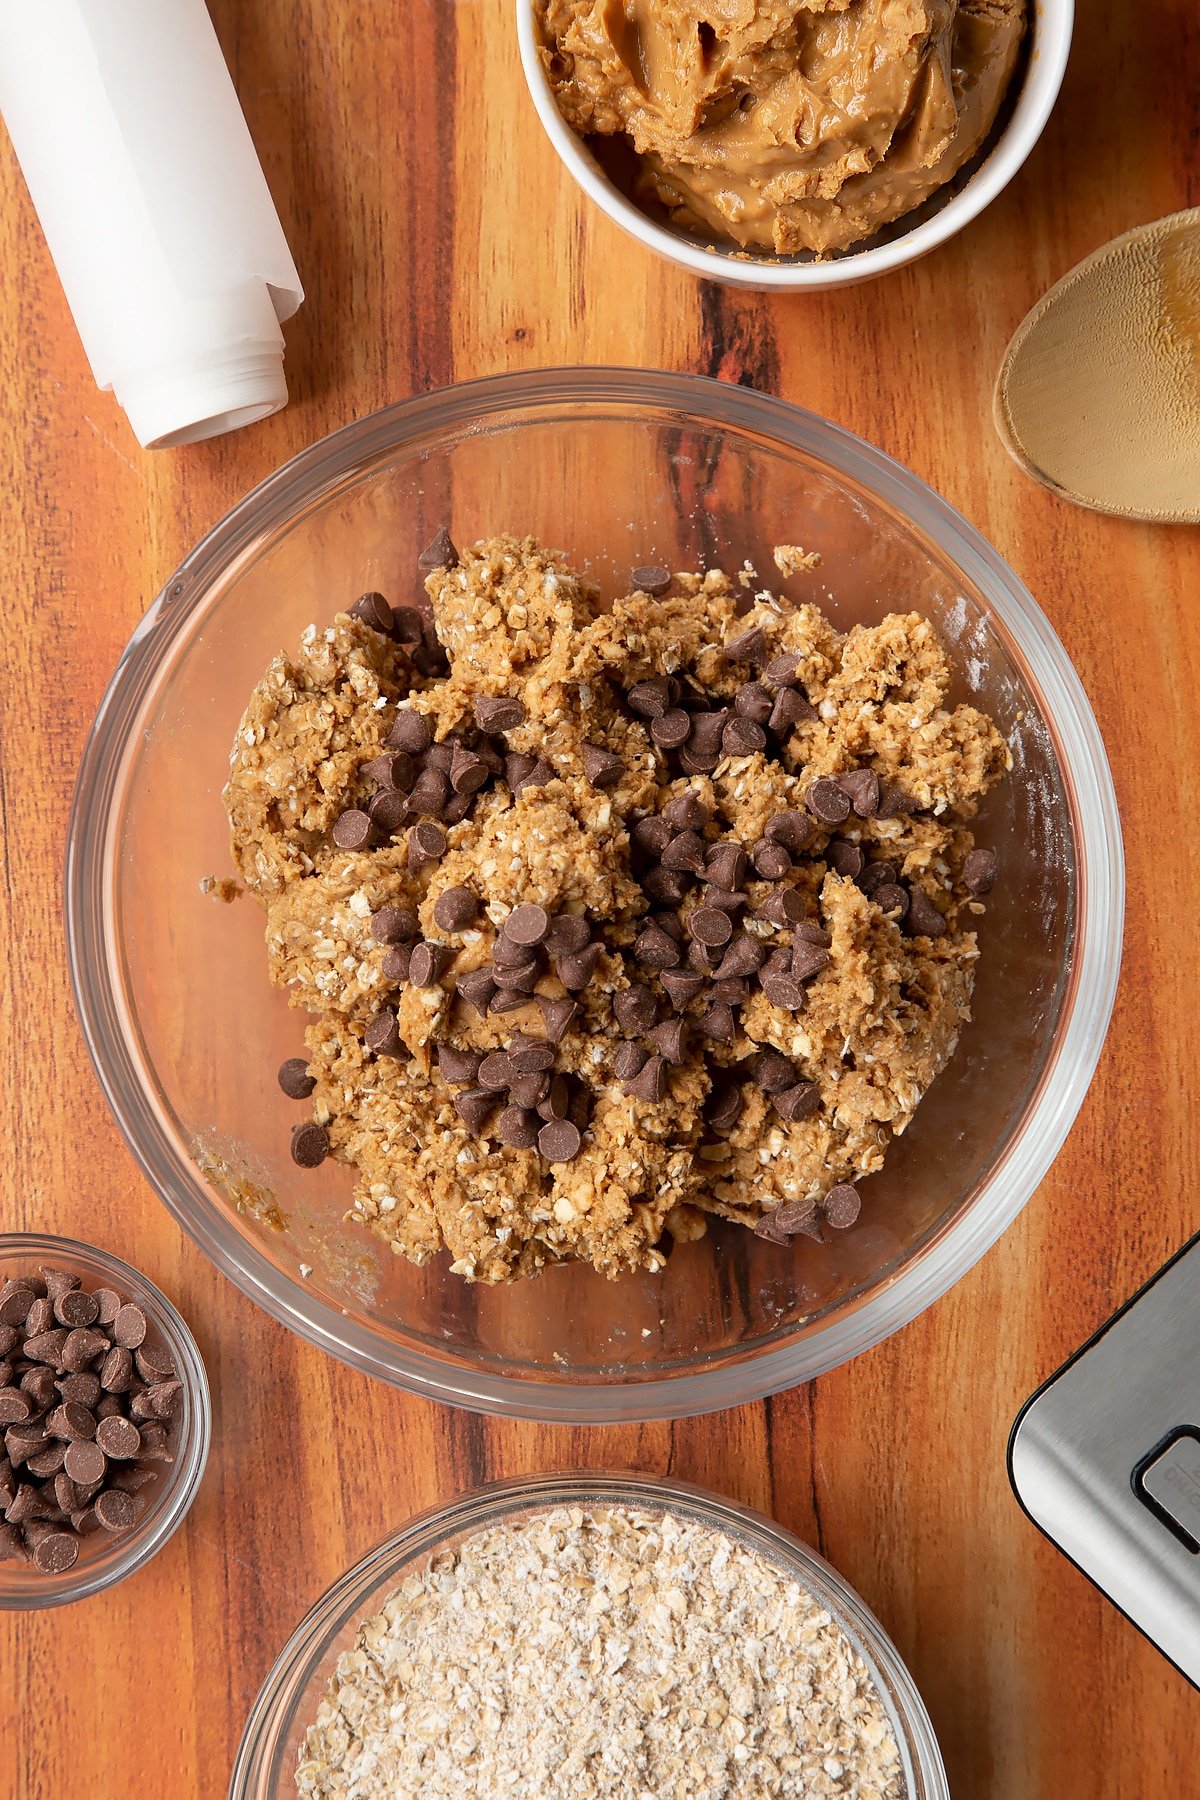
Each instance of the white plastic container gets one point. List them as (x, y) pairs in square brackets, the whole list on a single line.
[(155, 207)]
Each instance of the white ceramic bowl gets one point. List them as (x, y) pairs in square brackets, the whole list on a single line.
[(946, 213)]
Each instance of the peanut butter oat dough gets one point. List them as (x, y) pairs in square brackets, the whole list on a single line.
[(784, 124), (625, 915)]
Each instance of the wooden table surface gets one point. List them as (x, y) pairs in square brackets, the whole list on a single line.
[(439, 239)]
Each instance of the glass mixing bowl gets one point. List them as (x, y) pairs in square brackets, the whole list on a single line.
[(616, 468), (288, 1700)]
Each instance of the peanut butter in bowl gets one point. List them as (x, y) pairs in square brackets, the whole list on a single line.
[(781, 126)]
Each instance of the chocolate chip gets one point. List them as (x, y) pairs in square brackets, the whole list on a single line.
[(718, 1023), (394, 769), (110, 1305), (846, 858), (85, 1462), (429, 963), (711, 926), (477, 987), (459, 1067), (671, 923), (782, 669), (40, 1386), (71, 1420), (474, 1107), (568, 935), (811, 933), (782, 990), (455, 908), (468, 771), (827, 801), (671, 1037), (430, 795), (116, 1371), (46, 1346), (783, 908), (796, 1103), (523, 976), (790, 709), (724, 1107), (656, 949), (730, 903), (629, 1061), (557, 1016), (686, 812), (894, 803), (651, 1082), (651, 836), (76, 1308), (54, 1550), (923, 918), (671, 730), (396, 964), (745, 956), (602, 768), (772, 1072), (685, 852), (382, 1036), (507, 999), (680, 987), (15, 1304), (297, 1084), (119, 1438), (576, 971), (980, 872), (791, 829), (495, 1071), (842, 1206), (750, 647), (352, 830), (649, 699), (374, 611), (557, 1101), (530, 1056), (665, 887), (114, 1510), (808, 960), (408, 625), (559, 1140), (388, 811), (535, 777), (635, 1008), (506, 955), (391, 925), (771, 861), (310, 1145), (707, 732), (440, 554), (498, 712), (726, 866), (517, 1127), (527, 924), (426, 844), (742, 737), (15, 1407), (794, 1218), (875, 876), (651, 579), (862, 786), (153, 1363), (892, 900), (753, 703), (411, 732), (40, 1316)]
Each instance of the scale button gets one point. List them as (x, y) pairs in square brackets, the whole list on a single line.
[(1172, 1481)]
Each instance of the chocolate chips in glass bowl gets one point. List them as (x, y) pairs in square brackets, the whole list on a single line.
[(87, 1398)]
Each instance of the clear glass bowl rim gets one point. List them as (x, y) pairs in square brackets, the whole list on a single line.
[(159, 1522), (1087, 1002), (359, 1588)]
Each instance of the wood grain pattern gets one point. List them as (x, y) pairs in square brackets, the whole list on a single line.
[(439, 239)]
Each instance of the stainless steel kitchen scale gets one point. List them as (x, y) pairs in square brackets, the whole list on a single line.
[(1105, 1459)]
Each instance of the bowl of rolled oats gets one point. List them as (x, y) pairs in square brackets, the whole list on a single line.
[(599, 1636), (646, 906)]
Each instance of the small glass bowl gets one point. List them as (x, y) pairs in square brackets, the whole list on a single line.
[(288, 1700), (106, 1558)]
